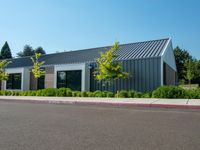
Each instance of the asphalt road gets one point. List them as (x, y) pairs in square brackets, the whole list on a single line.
[(25, 126)]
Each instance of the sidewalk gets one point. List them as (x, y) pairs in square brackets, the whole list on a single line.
[(129, 102)]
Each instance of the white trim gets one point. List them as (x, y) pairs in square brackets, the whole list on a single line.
[(12, 71), (25, 78), (165, 48), (161, 61)]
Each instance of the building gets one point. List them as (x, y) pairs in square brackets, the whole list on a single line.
[(149, 63)]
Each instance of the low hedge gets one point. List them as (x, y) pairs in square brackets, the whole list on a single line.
[(161, 92), (169, 92)]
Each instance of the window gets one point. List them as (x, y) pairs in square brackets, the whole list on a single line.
[(61, 79), (69, 79), (14, 81), (40, 82)]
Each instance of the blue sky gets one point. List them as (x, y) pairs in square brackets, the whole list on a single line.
[(59, 25)]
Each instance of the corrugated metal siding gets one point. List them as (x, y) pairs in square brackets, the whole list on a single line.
[(147, 49), (169, 75), (144, 76)]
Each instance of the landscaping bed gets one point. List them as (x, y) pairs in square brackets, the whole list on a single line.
[(161, 92)]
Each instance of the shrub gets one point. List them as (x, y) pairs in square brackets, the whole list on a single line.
[(169, 92), (137, 94), (131, 94), (39, 93), (8, 93), (49, 92), (76, 94), (104, 93), (16, 93), (90, 94), (84, 94), (30, 93), (193, 94), (110, 94), (61, 92), (146, 95), (68, 92), (123, 94), (97, 93)]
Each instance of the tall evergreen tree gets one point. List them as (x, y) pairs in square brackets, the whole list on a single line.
[(5, 51)]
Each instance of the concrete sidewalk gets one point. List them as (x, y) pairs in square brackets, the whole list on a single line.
[(130, 102)]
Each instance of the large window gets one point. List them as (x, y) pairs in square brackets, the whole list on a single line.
[(14, 81), (69, 79)]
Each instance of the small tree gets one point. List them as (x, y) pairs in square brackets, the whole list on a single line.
[(3, 74), (37, 71), (191, 70), (108, 69)]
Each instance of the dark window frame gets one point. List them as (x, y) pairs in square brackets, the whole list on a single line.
[(41, 83), (66, 82), (14, 82)]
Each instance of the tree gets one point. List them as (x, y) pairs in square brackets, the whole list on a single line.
[(191, 70), (5, 51), (37, 71), (108, 69), (181, 56), (3, 74), (40, 50), (27, 51)]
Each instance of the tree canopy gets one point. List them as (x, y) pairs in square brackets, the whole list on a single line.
[(108, 69), (37, 71), (187, 66), (29, 51), (40, 50), (5, 51), (3, 74)]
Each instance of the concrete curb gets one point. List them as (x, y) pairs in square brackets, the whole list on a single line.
[(100, 101)]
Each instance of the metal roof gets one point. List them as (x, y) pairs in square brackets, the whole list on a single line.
[(146, 49)]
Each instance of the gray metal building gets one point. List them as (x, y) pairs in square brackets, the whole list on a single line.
[(149, 63)]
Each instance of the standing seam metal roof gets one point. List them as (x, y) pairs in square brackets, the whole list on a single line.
[(146, 49)]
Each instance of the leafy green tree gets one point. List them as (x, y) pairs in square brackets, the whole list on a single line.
[(40, 50), (3, 74), (181, 56), (108, 69), (5, 51), (27, 51), (191, 70), (37, 71)]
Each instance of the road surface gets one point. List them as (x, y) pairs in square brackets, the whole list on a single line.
[(28, 126)]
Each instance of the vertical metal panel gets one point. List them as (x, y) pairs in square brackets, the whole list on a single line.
[(151, 74), (136, 75), (144, 76)]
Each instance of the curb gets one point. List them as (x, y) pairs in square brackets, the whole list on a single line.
[(103, 103)]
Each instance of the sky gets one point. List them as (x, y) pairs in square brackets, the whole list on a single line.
[(63, 25)]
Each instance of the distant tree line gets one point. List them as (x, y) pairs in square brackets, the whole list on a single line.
[(188, 67), (27, 51)]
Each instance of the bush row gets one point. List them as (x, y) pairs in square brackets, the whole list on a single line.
[(161, 92)]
